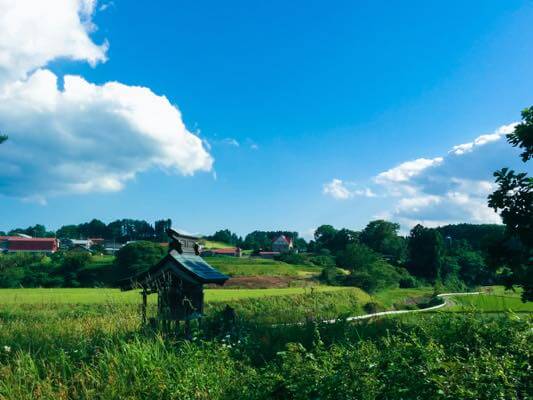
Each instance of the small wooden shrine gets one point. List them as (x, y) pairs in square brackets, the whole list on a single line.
[(178, 280)]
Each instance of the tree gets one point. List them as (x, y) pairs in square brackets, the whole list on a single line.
[(224, 236), (356, 257), (160, 229), (138, 257), (68, 232), (368, 271), (426, 252), (382, 236), (324, 236), (514, 200), (3, 138), (522, 136)]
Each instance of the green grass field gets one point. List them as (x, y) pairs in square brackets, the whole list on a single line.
[(494, 299), (87, 296), (249, 266)]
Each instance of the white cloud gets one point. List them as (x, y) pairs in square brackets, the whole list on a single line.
[(32, 33), (482, 140), (85, 137), (337, 190), (231, 142), (407, 170), (366, 192), (341, 190), (441, 190), (453, 188)]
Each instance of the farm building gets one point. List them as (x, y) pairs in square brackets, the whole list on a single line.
[(282, 244), (178, 280), (18, 244)]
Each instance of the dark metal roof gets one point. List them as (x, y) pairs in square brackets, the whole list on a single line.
[(198, 267), (192, 265)]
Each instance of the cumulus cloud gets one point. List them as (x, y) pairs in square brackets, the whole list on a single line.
[(453, 188), (435, 191), (342, 190), (336, 189), (83, 137)]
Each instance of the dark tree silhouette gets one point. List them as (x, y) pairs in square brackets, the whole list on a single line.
[(514, 201)]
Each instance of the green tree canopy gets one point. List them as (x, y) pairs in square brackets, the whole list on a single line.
[(138, 257), (426, 253), (382, 236), (514, 201)]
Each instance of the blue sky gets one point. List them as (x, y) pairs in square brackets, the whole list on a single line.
[(299, 108)]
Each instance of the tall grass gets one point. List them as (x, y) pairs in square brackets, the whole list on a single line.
[(99, 351)]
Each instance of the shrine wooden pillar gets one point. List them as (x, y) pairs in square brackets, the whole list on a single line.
[(143, 306)]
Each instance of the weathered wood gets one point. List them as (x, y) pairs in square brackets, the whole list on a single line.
[(143, 307)]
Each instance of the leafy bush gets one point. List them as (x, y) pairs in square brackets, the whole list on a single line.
[(292, 258), (329, 275), (138, 257)]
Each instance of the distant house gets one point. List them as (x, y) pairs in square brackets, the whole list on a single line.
[(282, 244), (71, 243), (17, 244), (228, 251)]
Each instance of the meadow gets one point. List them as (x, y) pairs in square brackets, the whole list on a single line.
[(72, 344), (251, 266)]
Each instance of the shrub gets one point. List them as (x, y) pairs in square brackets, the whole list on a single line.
[(138, 257), (329, 275), (373, 307)]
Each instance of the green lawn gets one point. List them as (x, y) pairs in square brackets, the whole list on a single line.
[(494, 299), (115, 296), (389, 297), (250, 266)]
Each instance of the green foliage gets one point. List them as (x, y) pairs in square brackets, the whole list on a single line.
[(160, 230), (382, 237), (522, 136), (54, 352), (514, 200), (368, 270), (38, 231), (329, 275), (356, 257), (333, 240), (251, 266), (426, 252), (262, 240), (138, 257), (225, 236), (293, 258)]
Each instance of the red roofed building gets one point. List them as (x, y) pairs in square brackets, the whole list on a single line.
[(14, 244)]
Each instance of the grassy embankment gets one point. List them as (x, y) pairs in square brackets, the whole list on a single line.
[(246, 272)]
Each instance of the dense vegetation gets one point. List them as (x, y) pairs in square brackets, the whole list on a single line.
[(50, 351)]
